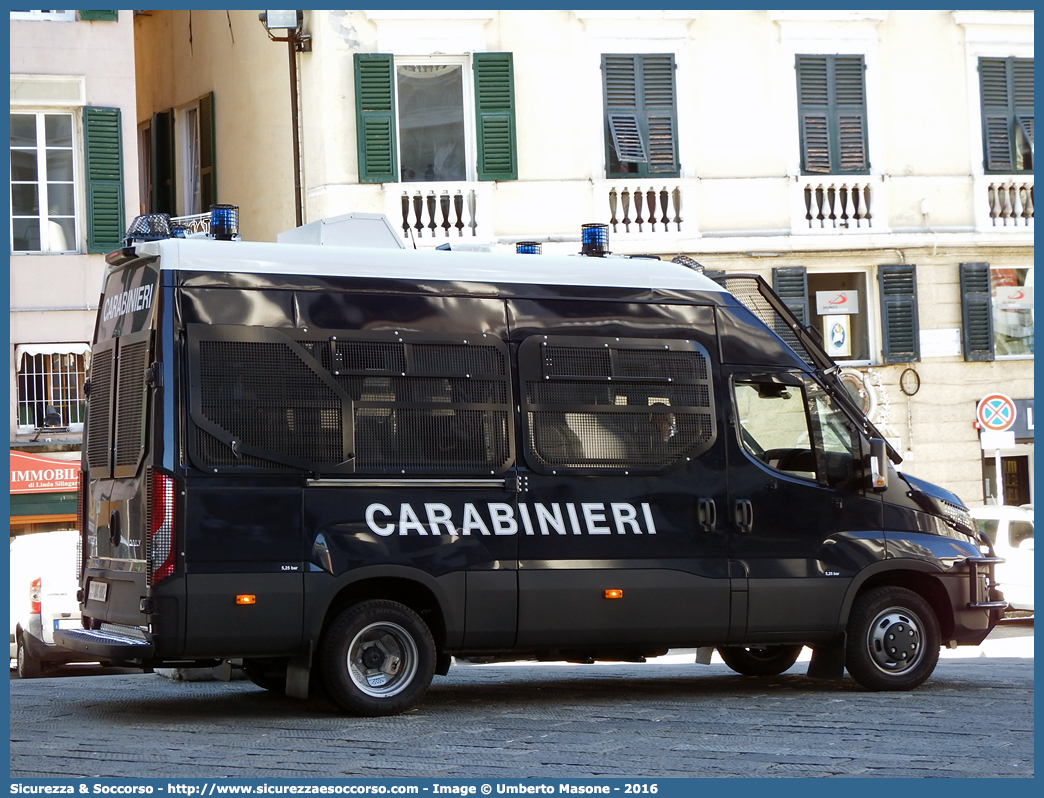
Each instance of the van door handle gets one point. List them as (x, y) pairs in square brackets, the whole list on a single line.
[(744, 515), (707, 514)]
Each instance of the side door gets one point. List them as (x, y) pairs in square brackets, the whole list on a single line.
[(625, 474), (801, 522)]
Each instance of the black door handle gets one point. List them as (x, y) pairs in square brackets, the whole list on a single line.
[(744, 515), (707, 514)]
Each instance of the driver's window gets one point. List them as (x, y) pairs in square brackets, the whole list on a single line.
[(774, 425), (792, 425)]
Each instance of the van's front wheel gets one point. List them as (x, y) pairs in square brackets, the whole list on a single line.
[(378, 658), (893, 640), (760, 660)]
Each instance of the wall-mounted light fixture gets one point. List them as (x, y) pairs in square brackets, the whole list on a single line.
[(291, 22)]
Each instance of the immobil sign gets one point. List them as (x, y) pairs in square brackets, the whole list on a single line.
[(34, 474)]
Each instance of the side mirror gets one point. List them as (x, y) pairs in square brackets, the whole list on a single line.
[(878, 465)]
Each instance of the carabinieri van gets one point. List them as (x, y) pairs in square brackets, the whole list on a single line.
[(352, 465)]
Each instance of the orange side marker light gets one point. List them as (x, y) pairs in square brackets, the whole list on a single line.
[(246, 598), (614, 594)]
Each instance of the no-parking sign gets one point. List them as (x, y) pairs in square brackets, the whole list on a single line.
[(995, 412)]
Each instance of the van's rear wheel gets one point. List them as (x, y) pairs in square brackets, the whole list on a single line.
[(760, 660), (893, 640), (377, 658), (29, 667)]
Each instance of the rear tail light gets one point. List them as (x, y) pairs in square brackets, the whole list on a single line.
[(34, 596), (162, 548)]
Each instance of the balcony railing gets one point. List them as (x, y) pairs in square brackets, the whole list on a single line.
[(433, 214), (196, 223), (1009, 201), (835, 205), (644, 208)]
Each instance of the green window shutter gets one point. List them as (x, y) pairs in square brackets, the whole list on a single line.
[(495, 116), (641, 115), (900, 328), (99, 16), (163, 189), (977, 311), (207, 172), (832, 113), (103, 168), (791, 285), (375, 118), (1006, 95)]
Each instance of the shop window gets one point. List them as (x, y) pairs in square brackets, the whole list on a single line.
[(50, 386)]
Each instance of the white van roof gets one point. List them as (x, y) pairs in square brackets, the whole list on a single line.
[(472, 267)]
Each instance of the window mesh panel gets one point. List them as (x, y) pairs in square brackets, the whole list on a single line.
[(267, 397), (616, 405), (130, 408), (571, 393), (450, 359), (415, 440), (663, 363), (569, 361), (98, 421), (614, 440), (218, 454), (746, 291)]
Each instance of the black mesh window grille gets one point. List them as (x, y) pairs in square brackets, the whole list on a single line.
[(130, 404), (99, 435), (267, 397), (615, 405), (409, 403), (747, 291)]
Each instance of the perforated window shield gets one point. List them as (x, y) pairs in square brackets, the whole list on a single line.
[(615, 405), (405, 403), (260, 402)]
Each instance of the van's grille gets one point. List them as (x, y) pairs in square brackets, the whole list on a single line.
[(130, 404), (98, 421)]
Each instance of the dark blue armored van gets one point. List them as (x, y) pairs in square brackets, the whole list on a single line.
[(351, 465)]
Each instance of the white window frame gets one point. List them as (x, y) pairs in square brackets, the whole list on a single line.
[(76, 349), (41, 182), (187, 176), (44, 16), (993, 309), (640, 33), (470, 134), (872, 313), (145, 167)]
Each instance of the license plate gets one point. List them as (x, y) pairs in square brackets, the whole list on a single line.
[(99, 591)]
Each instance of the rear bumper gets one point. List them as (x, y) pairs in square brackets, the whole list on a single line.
[(101, 644), (45, 652)]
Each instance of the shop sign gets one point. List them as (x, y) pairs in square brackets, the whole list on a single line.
[(832, 303), (1023, 425), (31, 473)]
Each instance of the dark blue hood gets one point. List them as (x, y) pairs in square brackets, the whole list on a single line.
[(933, 490)]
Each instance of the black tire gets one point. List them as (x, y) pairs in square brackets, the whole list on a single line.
[(893, 640), (377, 658), (760, 660), (269, 674), (29, 667)]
